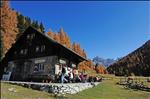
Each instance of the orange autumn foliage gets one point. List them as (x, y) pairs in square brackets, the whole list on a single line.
[(101, 69), (86, 65), (89, 66), (8, 27), (50, 34), (57, 38), (62, 38), (76, 47)]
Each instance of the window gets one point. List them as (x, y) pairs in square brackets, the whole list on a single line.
[(37, 48), (62, 61), (15, 52), (42, 48), (30, 36), (23, 51), (41, 67), (38, 67)]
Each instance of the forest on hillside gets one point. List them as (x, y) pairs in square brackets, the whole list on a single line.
[(136, 63)]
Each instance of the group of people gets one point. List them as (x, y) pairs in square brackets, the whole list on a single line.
[(72, 75)]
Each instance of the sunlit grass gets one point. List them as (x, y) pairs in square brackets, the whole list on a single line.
[(22, 93), (109, 90)]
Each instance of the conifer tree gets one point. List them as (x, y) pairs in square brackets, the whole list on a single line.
[(42, 27), (62, 37), (57, 37), (50, 34)]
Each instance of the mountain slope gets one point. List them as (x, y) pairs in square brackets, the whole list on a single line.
[(102, 61), (135, 63)]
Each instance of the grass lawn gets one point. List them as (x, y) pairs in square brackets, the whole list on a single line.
[(109, 90), (22, 93), (105, 90)]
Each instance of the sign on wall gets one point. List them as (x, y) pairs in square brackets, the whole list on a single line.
[(39, 61), (62, 61), (6, 77), (73, 65)]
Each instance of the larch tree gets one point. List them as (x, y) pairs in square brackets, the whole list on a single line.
[(84, 54), (68, 44), (50, 34), (57, 37), (62, 37), (86, 65), (74, 46), (79, 50), (8, 27), (101, 69)]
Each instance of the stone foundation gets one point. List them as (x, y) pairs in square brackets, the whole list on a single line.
[(56, 88)]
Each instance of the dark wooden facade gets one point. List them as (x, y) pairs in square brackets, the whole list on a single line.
[(32, 49)]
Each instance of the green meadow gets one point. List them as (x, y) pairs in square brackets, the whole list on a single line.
[(107, 89)]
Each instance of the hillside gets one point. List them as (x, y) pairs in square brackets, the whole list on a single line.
[(136, 63)]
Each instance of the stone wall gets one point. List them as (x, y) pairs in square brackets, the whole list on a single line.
[(56, 88)]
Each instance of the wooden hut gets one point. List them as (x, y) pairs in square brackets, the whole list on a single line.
[(35, 56)]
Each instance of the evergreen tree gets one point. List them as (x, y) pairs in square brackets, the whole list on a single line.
[(35, 24), (42, 28), (27, 22), (20, 25)]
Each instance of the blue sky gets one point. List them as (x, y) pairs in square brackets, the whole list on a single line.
[(106, 29)]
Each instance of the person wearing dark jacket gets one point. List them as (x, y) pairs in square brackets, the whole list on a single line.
[(63, 74)]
